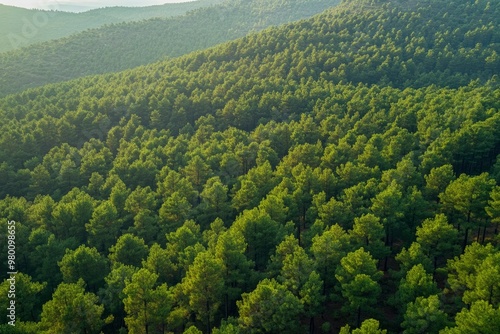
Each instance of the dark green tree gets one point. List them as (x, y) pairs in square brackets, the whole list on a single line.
[(270, 308), (128, 250), (84, 263)]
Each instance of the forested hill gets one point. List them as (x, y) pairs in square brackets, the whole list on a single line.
[(122, 46), (21, 27), (336, 173)]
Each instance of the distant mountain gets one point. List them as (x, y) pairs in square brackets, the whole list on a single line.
[(22, 27), (121, 46)]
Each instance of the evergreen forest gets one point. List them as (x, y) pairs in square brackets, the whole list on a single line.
[(22, 27), (121, 46), (335, 174)]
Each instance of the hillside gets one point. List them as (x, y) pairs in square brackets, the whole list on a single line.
[(123, 46), (22, 27), (338, 174)]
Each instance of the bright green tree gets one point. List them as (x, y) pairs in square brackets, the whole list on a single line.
[(387, 205), (411, 256), (437, 238), (463, 270), (369, 326), (215, 202), (493, 208), (160, 262), (174, 211), (147, 305), (262, 234), (72, 310), (485, 284), (358, 276), (417, 283), (480, 318), (204, 287), (230, 249), (467, 197), (424, 315), (368, 232), (104, 226), (328, 249), (183, 246), (437, 180)]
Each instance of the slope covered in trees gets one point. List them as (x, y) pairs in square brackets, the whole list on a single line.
[(301, 170), (128, 45), (22, 27)]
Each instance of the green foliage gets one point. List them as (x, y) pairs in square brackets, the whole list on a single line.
[(328, 250), (358, 276), (28, 301), (204, 286), (424, 316), (369, 326), (158, 33), (128, 250), (291, 157), (147, 305), (486, 283), (269, 308), (72, 310), (368, 233), (417, 283), (481, 318), (84, 263), (23, 27), (230, 249), (437, 238), (467, 196)]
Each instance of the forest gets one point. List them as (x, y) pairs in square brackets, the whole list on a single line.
[(337, 174), (23, 27), (121, 46)]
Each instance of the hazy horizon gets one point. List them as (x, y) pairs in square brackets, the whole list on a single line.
[(79, 5)]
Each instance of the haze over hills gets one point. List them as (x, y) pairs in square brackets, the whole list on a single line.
[(338, 174), (22, 27), (123, 46), (85, 5)]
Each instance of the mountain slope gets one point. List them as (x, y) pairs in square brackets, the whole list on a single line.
[(352, 43), (123, 46), (314, 155), (22, 27)]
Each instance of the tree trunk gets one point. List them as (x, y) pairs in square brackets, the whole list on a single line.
[(311, 325), (435, 267), (359, 316), (324, 283), (146, 316), (465, 239), (209, 330)]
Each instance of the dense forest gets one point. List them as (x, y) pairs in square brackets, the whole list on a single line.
[(21, 27), (122, 46), (338, 174)]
